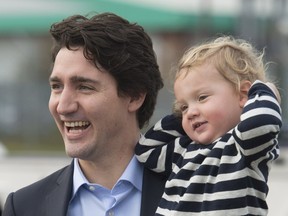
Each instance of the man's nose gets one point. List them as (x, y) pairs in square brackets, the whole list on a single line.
[(67, 102)]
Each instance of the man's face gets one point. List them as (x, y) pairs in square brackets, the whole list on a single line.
[(86, 107)]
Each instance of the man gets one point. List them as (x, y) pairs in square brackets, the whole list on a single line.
[(104, 85)]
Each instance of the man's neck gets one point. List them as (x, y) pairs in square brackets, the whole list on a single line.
[(105, 174)]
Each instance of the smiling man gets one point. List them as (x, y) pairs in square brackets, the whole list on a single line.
[(104, 85)]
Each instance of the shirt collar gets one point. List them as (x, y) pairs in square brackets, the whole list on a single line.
[(133, 174)]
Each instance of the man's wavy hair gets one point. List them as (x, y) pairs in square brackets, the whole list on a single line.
[(118, 47)]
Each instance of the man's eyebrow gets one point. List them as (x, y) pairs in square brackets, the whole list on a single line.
[(74, 79), (77, 79), (54, 79)]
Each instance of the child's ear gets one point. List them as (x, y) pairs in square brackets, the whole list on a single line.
[(244, 88)]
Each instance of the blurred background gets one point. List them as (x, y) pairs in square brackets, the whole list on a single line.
[(30, 145)]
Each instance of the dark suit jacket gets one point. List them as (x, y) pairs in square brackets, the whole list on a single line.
[(51, 195)]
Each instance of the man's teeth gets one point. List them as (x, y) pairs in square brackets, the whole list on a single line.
[(76, 124)]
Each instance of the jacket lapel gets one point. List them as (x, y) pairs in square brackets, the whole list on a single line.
[(152, 190), (57, 200)]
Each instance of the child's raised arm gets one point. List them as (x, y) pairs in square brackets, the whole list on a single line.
[(260, 124), (160, 147)]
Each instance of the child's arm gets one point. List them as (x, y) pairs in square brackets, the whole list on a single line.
[(257, 132), (160, 146)]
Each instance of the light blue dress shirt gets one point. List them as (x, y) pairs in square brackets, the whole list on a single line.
[(95, 200)]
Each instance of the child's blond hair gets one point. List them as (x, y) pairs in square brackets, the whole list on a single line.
[(235, 59)]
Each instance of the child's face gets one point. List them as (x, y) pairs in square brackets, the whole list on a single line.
[(210, 105)]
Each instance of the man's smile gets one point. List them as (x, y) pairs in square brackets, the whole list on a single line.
[(76, 125)]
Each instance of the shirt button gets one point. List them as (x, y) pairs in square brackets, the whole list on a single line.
[(111, 213), (91, 188)]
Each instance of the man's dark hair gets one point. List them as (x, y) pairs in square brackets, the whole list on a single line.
[(121, 48)]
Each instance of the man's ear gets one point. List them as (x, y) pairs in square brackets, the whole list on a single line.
[(243, 93), (136, 102)]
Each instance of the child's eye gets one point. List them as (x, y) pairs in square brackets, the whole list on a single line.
[(180, 108), (202, 97), (183, 108)]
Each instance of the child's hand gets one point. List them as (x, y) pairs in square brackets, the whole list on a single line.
[(275, 90)]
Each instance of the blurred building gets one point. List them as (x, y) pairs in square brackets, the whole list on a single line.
[(174, 26)]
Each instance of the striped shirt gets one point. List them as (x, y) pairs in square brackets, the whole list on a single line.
[(226, 177)]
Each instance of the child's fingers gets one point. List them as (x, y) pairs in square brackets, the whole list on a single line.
[(275, 91)]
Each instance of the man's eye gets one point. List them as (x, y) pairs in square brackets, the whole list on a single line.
[(55, 86), (84, 87)]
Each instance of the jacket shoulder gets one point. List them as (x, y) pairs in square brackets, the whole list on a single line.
[(45, 184), (30, 200)]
